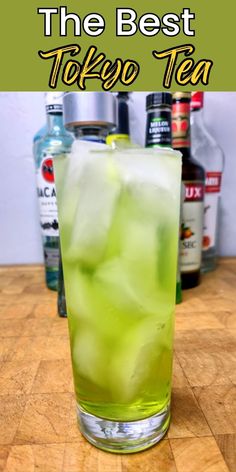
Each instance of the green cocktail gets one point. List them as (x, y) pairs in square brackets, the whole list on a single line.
[(119, 219)]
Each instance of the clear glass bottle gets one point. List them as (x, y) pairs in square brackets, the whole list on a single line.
[(209, 154), (40, 133), (83, 121), (54, 142), (159, 133)]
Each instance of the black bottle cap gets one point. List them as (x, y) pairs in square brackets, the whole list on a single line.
[(184, 97), (158, 98), (123, 95)]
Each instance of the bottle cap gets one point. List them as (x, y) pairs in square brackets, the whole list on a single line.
[(197, 100), (182, 96), (89, 109), (123, 95), (53, 102), (158, 98)]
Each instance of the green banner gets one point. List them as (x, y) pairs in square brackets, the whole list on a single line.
[(78, 45)]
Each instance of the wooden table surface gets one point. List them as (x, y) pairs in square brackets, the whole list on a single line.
[(38, 430)]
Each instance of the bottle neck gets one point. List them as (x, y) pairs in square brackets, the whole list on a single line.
[(118, 140), (119, 137), (181, 126), (158, 128), (94, 134), (55, 123), (197, 117), (123, 117)]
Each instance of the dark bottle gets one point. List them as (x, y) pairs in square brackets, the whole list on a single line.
[(158, 133), (61, 297), (119, 137), (193, 177), (158, 128), (85, 112)]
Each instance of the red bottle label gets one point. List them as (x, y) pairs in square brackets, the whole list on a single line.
[(194, 192), (180, 125), (213, 182), (211, 209)]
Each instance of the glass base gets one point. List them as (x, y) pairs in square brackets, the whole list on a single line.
[(123, 436)]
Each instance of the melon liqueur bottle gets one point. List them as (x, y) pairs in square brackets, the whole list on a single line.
[(159, 133), (55, 141)]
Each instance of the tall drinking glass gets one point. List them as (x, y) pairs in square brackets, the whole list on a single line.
[(119, 224)]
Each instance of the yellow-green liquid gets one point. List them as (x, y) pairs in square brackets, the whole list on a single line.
[(119, 234)]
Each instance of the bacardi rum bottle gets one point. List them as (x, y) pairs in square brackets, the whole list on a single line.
[(54, 142), (193, 177), (39, 135), (209, 154)]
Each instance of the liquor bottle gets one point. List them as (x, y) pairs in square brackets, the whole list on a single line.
[(39, 135), (158, 127), (119, 137), (193, 177), (209, 154), (158, 133), (86, 116), (54, 142)]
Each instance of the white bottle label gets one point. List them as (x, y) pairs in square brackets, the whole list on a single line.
[(47, 198), (51, 256), (192, 227), (212, 189)]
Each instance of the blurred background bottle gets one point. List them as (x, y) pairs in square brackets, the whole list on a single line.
[(209, 154), (193, 177), (55, 141), (86, 116), (120, 136), (158, 125), (159, 133), (40, 133)]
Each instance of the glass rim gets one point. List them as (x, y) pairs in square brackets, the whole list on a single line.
[(168, 151)]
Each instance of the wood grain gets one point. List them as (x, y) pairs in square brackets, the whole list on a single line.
[(31, 458), (46, 419), (198, 454), (38, 427), (227, 445), (218, 404), (187, 418)]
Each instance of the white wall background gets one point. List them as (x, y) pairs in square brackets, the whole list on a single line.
[(22, 114)]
